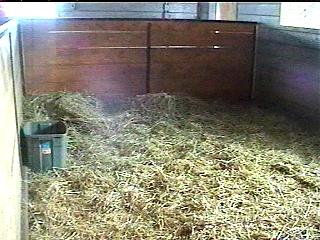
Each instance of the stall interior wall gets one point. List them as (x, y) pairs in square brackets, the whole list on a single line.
[(113, 58), (10, 119), (288, 60)]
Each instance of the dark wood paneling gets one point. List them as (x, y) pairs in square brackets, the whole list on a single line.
[(118, 72), (92, 56), (202, 70), (201, 27), (196, 70), (218, 85), (116, 58), (117, 79), (220, 57), (96, 87), (86, 40), (43, 26), (205, 80), (204, 38), (72, 56)]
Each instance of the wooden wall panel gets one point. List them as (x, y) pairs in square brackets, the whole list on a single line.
[(215, 57), (205, 59), (86, 40), (202, 59), (43, 26), (73, 56), (201, 26), (119, 78), (183, 70), (111, 72), (207, 38), (98, 57), (122, 79)]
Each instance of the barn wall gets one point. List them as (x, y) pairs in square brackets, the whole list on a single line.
[(10, 119), (164, 10), (97, 56), (288, 60), (125, 58), (212, 59)]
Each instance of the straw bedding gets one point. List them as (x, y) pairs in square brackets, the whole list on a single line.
[(158, 166)]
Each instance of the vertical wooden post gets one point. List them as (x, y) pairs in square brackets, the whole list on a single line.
[(203, 10), (148, 51), (164, 9), (199, 10), (24, 204), (226, 11), (254, 63), (21, 57)]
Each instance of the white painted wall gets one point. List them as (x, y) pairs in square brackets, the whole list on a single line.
[(10, 173)]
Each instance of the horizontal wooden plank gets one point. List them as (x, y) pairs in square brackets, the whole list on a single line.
[(196, 70), (218, 85), (270, 20), (200, 27), (121, 6), (240, 58), (98, 56), (99, 87), (207, 38), (266, 9), (41, 25), (111, 72), (85, 40), (181, 7), (102, 14), (180, 16), (218, 78)]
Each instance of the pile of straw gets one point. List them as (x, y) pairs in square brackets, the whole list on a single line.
[(158, 166)]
